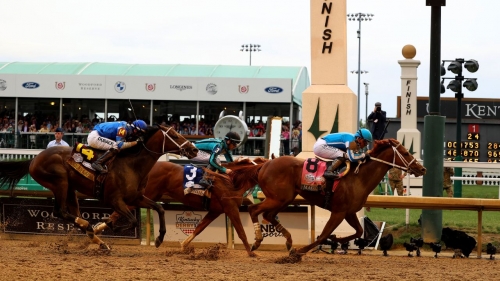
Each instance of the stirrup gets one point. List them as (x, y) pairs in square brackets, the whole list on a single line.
[(99, 168), (205, 183)]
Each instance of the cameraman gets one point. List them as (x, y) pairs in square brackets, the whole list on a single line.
[(378, 122)]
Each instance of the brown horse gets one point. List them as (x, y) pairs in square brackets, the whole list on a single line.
[(124, 184), (166, 178), (280, 180)]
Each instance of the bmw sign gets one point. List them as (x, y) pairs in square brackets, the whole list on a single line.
[(273, 90), (31, 85), (120, 87)]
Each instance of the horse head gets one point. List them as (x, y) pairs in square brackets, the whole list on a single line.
[(164, 139), (393, 153), (245, 171)]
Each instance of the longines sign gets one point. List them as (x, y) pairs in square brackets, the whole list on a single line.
[(471, 108), (34, 216)]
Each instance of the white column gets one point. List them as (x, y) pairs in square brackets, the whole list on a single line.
[(408, 133)]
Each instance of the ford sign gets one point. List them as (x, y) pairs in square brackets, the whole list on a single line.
[(31, 85), (273, 90)]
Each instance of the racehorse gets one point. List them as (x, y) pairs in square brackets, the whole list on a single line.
[(123, 185), (166, 178), (280, 181)]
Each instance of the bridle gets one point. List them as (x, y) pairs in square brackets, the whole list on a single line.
[(181, 150), (406, 166)]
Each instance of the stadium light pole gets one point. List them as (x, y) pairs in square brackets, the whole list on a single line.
[(250, 48), (359, 17), (455, 85), (359, 72)]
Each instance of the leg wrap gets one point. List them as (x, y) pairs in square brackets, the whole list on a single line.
[(258, 233)]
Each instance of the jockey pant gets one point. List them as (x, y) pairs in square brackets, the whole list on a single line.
[(96, 141), (204, 157), (321, 149)]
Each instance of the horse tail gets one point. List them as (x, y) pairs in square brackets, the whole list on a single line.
[(11, 172), (246, 178)]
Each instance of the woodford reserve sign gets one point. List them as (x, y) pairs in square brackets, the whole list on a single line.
[(34, 216)]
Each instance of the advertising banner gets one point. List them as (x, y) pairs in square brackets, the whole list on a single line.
[(34, 216), (146, 87), (294, 219), (182, 220)]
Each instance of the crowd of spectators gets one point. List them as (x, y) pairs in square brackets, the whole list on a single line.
[(291, 134)]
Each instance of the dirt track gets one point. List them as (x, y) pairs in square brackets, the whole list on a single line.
[(25, 260)]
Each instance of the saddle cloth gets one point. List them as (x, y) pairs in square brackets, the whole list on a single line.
[(82, 158), (191, 180), (312, 175)]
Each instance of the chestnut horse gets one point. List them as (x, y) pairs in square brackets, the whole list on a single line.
[(166, 178), (124, 184), (280, 180)]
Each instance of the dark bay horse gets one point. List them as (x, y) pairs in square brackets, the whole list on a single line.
[(124, 184), (166, 178), (280, 180)]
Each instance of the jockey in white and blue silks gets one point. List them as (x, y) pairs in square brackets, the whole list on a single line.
[(346, 145), (112, 136)]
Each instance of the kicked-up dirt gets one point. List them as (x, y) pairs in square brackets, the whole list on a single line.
[(70, 260)]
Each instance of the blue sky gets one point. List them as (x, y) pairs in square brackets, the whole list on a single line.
[(211, 32)]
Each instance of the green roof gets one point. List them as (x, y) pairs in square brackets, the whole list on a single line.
[(298, 74)]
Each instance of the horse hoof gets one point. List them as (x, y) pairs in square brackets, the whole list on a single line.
[(293, 251), (255, 246), (103, 246), (288, 246), (252, 254), (158, 242)]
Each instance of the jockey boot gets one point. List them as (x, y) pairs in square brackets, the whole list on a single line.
[(328, 192), (205, 182), (108, 155), (330, 172)]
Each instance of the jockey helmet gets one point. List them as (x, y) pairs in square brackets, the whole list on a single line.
[(233, 137), (139, 125), (364, 134)]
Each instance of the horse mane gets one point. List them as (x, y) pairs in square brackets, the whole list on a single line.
[(219, 177), (381, 145), (150, 131)]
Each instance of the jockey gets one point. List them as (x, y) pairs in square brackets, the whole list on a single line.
[(210, 149), (342, 145), (112, 136)]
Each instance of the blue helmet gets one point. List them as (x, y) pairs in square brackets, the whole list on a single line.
[(139, 125), (364, 134)]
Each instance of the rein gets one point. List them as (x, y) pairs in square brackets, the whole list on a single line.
[(393, 164), (165, 136)]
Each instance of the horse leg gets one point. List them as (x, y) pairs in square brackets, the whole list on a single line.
[(352, 220), (332, 223), (207, 219), (148, 203), (71, 211), (101, 226), (122, 209), (256, 209), (271, 217), (231, 208)]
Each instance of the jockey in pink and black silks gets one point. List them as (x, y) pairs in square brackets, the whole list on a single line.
[(112, 136)]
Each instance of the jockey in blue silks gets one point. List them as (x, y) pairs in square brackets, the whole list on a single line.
[(342, 145), (210, 149), (112, 136)]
